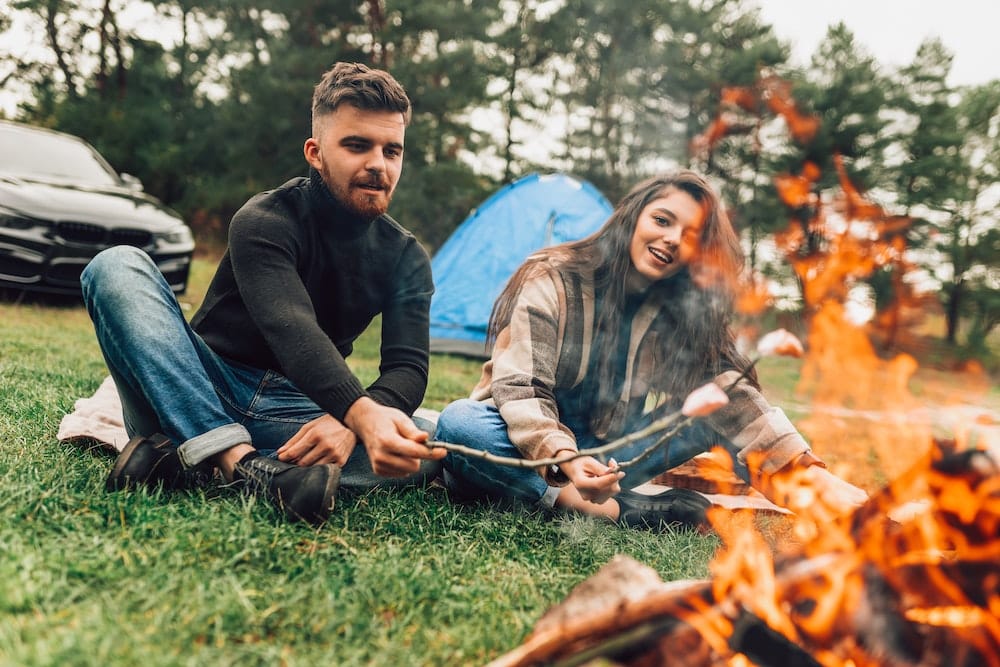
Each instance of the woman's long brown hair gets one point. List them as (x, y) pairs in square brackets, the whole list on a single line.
[(695, 339)]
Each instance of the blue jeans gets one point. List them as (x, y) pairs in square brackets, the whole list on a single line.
[(479, 425), (171, 382)]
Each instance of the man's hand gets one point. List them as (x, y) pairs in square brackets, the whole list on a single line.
[(323, 440), (395, 445), (595, 481)]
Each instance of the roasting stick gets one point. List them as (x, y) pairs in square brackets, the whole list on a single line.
[(671, 425)]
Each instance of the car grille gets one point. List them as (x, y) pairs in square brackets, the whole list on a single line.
[(136, 237), (88, 234)]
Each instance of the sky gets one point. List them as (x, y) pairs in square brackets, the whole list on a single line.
[(891, 30)]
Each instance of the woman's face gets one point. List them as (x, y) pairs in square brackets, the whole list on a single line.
[(665, 239)]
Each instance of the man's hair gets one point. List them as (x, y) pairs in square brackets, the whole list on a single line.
[(359, 86)]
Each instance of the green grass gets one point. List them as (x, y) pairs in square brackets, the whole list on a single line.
[(218, 578)]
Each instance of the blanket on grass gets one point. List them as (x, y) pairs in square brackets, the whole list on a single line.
[(98, 418)]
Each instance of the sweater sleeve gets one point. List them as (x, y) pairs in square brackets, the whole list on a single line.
[(403, 368), (523, 371), (264, 250), (766, 438)]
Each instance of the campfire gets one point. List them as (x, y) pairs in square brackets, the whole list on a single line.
[(919, 590), (912, 578)]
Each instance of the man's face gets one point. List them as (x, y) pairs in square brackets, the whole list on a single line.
[(359, 154)]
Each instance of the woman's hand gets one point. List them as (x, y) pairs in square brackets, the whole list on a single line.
[(806, 487), (595, 481)]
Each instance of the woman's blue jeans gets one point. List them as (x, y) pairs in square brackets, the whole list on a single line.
[(171, 382), (479, 425)]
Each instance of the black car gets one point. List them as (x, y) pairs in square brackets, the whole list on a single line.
[(61, 203)]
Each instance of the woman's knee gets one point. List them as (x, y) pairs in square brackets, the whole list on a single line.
[(459, 420)]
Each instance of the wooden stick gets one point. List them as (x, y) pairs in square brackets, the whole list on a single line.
[(675, 419)]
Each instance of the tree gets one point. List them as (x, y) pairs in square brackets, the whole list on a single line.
[(948, 182), (601, 92), (972, 240), (531, 36), (836, 118), (439, 51), (845, 87)]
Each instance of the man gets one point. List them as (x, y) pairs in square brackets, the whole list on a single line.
[(257, 385)]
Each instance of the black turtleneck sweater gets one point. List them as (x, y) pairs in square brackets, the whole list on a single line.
[(302, 279)]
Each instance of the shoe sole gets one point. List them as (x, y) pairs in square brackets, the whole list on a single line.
[(690, 507)]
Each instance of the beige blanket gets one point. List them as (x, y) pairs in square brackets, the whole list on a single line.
[(98, 417)]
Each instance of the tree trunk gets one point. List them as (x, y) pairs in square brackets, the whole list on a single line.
[(376, 25), (52, 32), (953, 309)]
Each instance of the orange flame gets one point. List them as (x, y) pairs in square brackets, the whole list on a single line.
[(778, 95), (862, 411), (936, 571)]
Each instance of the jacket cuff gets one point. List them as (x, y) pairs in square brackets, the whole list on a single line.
[(552, 447)]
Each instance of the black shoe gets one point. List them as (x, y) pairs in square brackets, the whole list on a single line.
[(673, 507), (302, 492), (147, 461)]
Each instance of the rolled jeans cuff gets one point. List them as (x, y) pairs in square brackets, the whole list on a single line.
[(207, 445)]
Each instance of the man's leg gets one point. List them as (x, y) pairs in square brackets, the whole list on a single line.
[(277, 410), (153, 357), (164, 373), (358, 476)]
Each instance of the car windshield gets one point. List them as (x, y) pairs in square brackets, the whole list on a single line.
[(51, 157)]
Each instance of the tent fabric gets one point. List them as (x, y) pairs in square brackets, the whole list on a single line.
[(473, 265)]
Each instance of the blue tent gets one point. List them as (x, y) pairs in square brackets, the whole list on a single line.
[(473, 265)]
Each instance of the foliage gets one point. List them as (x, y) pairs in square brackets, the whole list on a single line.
[(950, 183), (214, 107)]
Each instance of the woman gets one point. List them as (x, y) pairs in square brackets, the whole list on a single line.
[(596, 338)]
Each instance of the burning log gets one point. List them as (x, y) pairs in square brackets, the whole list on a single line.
[(923, 591)]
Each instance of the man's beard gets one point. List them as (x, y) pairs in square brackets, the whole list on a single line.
[(365, 204)]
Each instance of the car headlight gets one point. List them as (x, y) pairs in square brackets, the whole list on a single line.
[(177, 236)]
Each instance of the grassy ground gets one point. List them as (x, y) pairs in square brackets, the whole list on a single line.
[(217, 578)]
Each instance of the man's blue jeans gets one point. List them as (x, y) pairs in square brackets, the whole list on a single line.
[(479, 425), (171, 382)]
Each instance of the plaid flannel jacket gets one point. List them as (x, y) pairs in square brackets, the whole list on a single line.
[(546, 348)]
